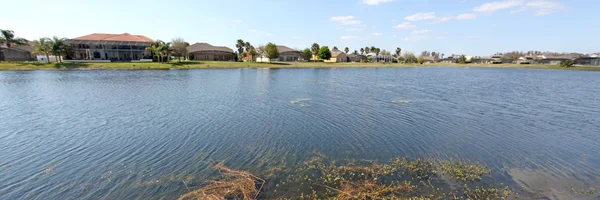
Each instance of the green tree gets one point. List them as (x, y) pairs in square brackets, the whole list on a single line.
[(315, 49), (240, 46), (462, 59), (179, 47), (367, 50), (324, 53), (155, 49), (355, 52), (362, 51), (409, 57), (398, 51), (43, 46), (421, 60), (7, 37), (271, 51), (307, 54), (165, 50), (346, 50), (252, 52), (567, 63), (58, 48), (335, 48)]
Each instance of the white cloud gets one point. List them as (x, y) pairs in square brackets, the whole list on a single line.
[(261, 32), (405, 25), (375, 2), (350, 38), (353, 29), (423, 37), (541, 7), (345, 20), (420, 31), (441, 19), (466, 16), (420, 16), (498, 5), (236, 21), (377, 34)]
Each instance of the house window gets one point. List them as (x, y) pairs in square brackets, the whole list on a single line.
[(206, 57)]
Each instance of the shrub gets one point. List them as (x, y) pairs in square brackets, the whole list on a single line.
[(566, 63)]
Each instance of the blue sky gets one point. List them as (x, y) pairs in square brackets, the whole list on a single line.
[(472, 27)]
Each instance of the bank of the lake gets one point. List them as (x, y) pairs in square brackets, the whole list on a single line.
[(221, 65)]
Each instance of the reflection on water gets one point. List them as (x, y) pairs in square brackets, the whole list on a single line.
[(152, 134)]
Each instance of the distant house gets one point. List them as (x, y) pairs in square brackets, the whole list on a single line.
[(380, 58), (526, 60), (111, 47), (16, 53), (207, 52), (482, 60), (497, 59), (588, 61), (286, 54), (357, 58), (428, 59), (449, 59), (338, 56), (553, 60)]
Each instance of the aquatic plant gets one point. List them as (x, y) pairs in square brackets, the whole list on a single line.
[(320, 177), (233, 185)]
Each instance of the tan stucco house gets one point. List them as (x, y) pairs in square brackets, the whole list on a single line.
[(16, 53), (111, 47), (286, 54), (337, 56), (207, 52)]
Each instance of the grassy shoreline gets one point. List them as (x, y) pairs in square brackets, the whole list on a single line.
[(223, 65)]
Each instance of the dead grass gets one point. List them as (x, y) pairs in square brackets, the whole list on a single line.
[(233, 185)]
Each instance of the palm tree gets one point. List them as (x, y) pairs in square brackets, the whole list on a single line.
[(7, 37), (240, 46), (367, 50), (315, 49), (442, 56), (335, 48), (43, 46), (362, 51), (398, 51), (166, 50), (155, 49), (58, 48), (346, 50)]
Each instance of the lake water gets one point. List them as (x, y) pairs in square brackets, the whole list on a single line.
[(135, 134)]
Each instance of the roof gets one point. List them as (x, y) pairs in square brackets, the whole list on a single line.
[(283, 49), (23, 48), (566, 56), (125, 37), (207, 47), (356, 55), (336, 53)]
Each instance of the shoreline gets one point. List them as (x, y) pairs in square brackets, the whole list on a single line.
[(237, 65)]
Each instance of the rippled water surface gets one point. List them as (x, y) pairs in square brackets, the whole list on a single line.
[(134, 134)]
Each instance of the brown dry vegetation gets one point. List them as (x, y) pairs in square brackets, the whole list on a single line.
[(324, 178)]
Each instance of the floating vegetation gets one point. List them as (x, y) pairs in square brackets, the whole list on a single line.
[(298, 100), (400, 101), (464, 170), (232, 185), (322, 178), (304, 105), (588, 192)]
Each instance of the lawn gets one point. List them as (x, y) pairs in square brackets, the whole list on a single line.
[(217, 64)]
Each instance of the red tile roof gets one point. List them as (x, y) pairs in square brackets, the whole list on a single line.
[(115, 37)]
